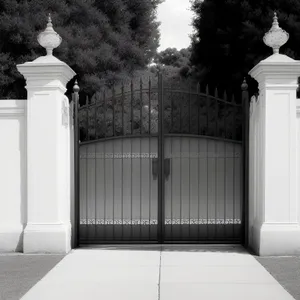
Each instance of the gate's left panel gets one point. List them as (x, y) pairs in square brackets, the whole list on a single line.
[(118, 193)]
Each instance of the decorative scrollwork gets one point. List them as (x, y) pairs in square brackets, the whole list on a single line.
[(92, 221)]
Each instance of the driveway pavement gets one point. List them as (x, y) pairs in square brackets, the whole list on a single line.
[(165, 273)]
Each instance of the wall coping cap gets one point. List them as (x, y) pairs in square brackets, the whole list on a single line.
[(277, 64), (46, 69), (45, 62), (12, 107), (277, 57)]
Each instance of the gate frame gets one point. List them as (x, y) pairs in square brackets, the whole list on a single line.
[(161, 168), (246, 111), (161, 181), (75, 99)]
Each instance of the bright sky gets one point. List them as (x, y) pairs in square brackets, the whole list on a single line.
[(175, 17)]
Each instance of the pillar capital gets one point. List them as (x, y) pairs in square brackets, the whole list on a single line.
[(277, 69), (46, 72)]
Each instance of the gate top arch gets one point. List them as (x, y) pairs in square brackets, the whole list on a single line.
[(131, 109)]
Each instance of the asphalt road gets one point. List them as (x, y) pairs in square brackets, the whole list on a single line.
[(19, 272), (286, 270)]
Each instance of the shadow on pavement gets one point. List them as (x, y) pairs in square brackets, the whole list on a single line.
[(171, 248), (20, 272)]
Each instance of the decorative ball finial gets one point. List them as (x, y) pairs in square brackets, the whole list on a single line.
[(49, 39), (244, 85), (76, 87), (276, 36)]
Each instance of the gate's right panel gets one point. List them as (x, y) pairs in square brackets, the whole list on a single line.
[(204, 190), (204, 166)]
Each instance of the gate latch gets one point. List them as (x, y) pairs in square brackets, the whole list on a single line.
[(167, 168), (154, 168)]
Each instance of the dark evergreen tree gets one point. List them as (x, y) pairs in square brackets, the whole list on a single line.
[(228, 39), (103, 41)]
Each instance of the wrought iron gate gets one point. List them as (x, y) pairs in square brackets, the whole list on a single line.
[(155, 163)]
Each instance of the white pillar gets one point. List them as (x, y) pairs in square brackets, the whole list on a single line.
[(276, 226), (48, 227)]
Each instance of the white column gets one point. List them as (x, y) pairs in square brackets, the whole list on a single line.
[(276, 227), (48, 227)]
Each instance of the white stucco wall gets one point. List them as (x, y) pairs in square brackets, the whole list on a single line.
[(12, 174), (298, 158)]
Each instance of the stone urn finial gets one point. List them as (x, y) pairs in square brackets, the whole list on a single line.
[(49, 39), (276, 36)]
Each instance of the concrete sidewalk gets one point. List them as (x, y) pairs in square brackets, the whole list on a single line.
[(162, 272)]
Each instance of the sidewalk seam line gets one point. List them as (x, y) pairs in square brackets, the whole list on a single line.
[(159, 273)]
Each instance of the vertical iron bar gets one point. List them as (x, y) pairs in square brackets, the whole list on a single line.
[(207, 109), (95, 137), (199, 159), (171, 223), (86, 161), (113, 159), (190, 108), (86, 188), (104, 162), (190, 118), (171, 150), (122, 172), (141, 132), (216, 162), (87, 119), (149, 129), (245, 106), (225, 166), (114, 111), (207, 159), (76, 165), (234, 138), (180, 169), (172, 109), (198, 178), (160, 159), (131, 149), (131, 106), (199, 110), (207, 187), (95, 174), (95, 116)]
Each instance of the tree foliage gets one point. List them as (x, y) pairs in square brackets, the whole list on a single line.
[(106, 39), (173, 64), (228, 39)]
